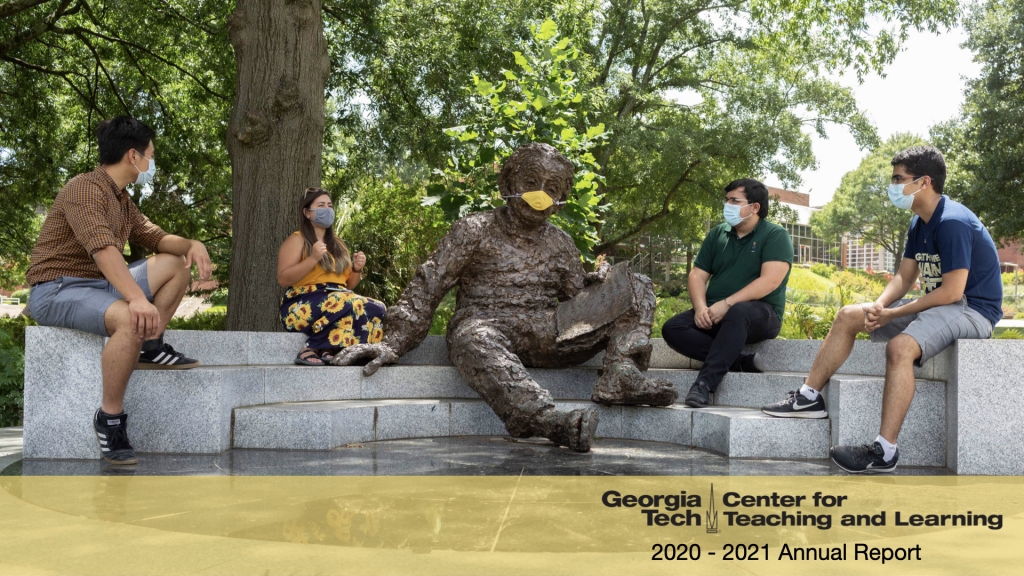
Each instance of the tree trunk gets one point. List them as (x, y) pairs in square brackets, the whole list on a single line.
[(275, 139)]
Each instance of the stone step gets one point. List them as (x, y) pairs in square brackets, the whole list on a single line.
[(328, 425), (855, 409), (734, 432), (748, 433)]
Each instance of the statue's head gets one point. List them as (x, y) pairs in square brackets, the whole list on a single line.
[(535, 168)]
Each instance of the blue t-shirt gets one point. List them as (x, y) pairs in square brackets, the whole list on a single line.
[(954, 238)]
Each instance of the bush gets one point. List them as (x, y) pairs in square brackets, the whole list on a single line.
[(671, 289), (1010, 334), (21, 295), (218, 297), (384, 219), (12, 369), (214, 318), (666, 309), (1018, 316), (825, 270)]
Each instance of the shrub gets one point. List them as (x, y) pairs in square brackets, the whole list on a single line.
[(12, 369), (666, 309), (21, 295), (214, 318), (825, 270), (445, 311), (1011, 334)]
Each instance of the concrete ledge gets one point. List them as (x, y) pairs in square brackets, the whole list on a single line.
[(328, 425), (855, 409), (985, 407), (747, 433)]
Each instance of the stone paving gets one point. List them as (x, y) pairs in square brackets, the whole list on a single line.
[(454, 456)]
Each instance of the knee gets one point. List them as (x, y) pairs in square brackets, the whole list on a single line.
[(902, 349), (850, 318)]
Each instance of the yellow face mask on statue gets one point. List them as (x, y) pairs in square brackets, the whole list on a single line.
[(538, 200)]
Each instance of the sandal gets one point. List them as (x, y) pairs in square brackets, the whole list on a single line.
[(329, 354), (306, 357)]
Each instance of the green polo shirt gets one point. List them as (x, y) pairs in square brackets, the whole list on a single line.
[(734, 262)]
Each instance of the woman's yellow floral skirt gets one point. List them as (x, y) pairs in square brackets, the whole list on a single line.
[(332, 316)]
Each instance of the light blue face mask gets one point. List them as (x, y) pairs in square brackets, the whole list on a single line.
[(898, 199), (147, 176), (323, 217), (732, 215)]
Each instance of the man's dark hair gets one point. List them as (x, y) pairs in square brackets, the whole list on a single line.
[(924, 161), (755, 191), (120, 135)]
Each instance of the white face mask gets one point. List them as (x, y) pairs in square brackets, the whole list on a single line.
[(147, 176), (732, 214)]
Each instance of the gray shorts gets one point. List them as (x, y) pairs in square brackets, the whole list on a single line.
[(936, 328), (80, 303)]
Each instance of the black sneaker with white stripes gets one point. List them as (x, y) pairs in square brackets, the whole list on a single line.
[(796, 405), (165, 358), (112, 433), (864, 459)]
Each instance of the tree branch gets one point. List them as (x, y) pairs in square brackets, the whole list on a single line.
[(41, 27), (644, 222), (15, 6)]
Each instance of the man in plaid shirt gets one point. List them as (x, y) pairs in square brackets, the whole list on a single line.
[(80, 280)]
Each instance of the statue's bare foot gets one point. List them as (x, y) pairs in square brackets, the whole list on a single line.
[(574, 429), (624, 383)]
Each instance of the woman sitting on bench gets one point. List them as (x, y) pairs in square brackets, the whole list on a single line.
[(315, 267)]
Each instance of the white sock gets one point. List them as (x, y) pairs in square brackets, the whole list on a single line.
[(890, 449), (809, 393)]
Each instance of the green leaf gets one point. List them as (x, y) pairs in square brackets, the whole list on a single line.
[(568, 133), (548, 30), (522, 62), (595, 131), (540, 102)]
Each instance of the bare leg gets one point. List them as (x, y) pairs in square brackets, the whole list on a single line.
[(900, 354), (119, 356), (168, 281), (837, 346)]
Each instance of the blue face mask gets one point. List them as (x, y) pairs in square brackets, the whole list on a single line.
[(147, 176), (323, 217), (732, 215), (898, 199)]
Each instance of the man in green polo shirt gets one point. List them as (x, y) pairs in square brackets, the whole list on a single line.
[(747, 260)]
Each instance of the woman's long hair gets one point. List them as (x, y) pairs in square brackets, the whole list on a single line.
[(337, 258)]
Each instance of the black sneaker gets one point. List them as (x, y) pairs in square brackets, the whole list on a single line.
[(112, 432), (698, 396), (796, 405), (864, 459), (165, 358)]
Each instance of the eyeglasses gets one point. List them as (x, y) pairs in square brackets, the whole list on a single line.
[(312, 190), (897, 178)]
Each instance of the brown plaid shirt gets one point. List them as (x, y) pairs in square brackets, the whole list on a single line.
[(89, 214)]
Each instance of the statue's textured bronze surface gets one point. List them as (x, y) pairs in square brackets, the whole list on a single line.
[(516, 275)]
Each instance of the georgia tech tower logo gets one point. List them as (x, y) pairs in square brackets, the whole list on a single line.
[(712, 514)]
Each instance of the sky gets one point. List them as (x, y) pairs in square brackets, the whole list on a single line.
[(900, 102)]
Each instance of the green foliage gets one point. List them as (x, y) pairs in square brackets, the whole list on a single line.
[(76, 63), (861, 205), (864, 284), (805, 280), (666, 309), (12, 369), (214, 318), (443, 314), (781, 213), (21, 295), (1011, 279), (218, 297), (382, 217), (540, 101), (823, 270), (984, 147), (1010, 334)]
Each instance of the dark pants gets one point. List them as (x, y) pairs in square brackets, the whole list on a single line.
[(720, 347)]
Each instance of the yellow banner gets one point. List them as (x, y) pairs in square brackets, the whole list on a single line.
[(511, 525)]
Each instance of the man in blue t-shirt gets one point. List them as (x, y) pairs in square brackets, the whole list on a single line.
[(959, 269)]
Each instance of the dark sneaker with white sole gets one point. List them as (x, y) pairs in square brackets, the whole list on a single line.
[(112, 433), (796, 405), (864, 459), (165, 358)]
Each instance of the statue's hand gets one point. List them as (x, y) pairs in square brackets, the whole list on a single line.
[(381, 353), (601, 270)]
